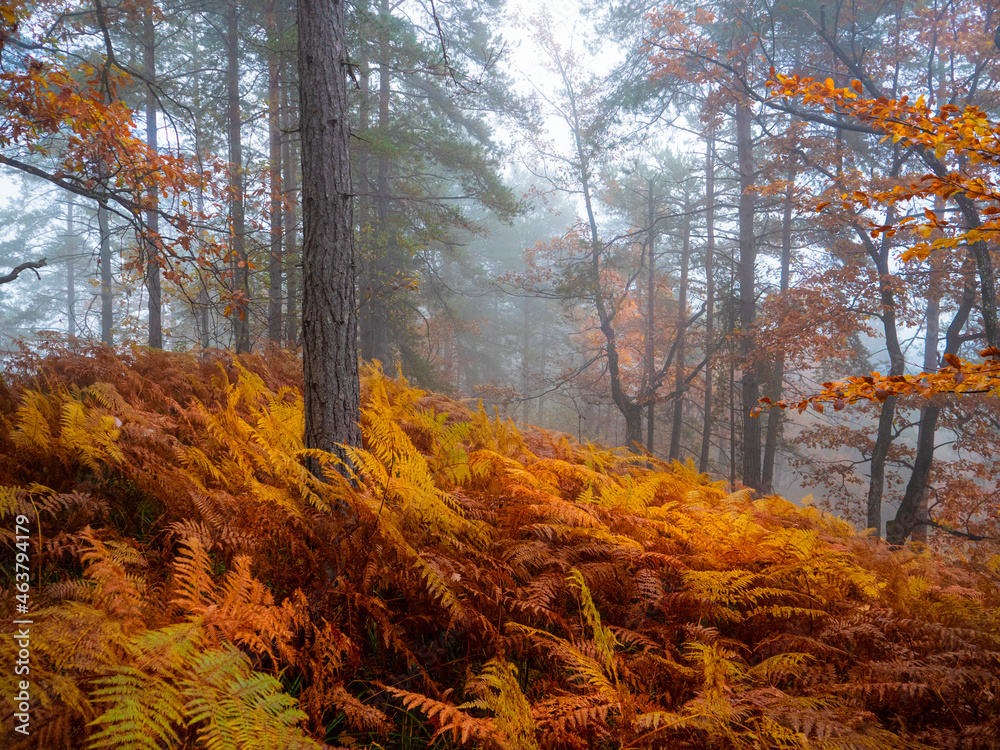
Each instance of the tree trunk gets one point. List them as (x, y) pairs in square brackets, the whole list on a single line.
[(376, 321), (880, 256), (775, 417), (706, 428), (72, 249), (240, 260), (650, 332), (288, 185), (679, 387), (748, 302), (107, 302), (329, 319), (908, 514), (275, 262), (155, 304)]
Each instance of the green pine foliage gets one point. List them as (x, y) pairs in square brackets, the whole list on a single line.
[(468, 583)]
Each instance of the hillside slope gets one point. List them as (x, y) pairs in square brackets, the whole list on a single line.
[(193, 586)]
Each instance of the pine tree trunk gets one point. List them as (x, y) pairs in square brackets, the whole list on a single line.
[(650, 333), (107, 302), (240, 260), (706, 428), (376, 331), (750, 378), (72, 248), (329, 319), (775, 417), (679, 387), (155, 304), (275, 262), (290, 228)]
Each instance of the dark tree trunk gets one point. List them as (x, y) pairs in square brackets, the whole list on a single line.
[(679, 386), (650, 333), (897, 363), (275, 262), (107, 302), (329, 320), (288, 221), (72, 248), (376, 324), (908, 514), (748, 302), (776, 416), (706, 428), (155, 303), (240, 260)]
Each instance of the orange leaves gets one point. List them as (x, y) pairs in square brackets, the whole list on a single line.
[(963, 141), (957, 376)]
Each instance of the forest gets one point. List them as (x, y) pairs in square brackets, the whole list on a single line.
[(404, 374)]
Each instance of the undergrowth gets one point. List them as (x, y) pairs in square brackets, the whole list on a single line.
[(470, 584)]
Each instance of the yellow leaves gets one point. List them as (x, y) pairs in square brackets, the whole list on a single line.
[(84, 433)]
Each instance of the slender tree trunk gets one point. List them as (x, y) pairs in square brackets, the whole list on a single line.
[(908, 514), (275, 264), (241, 268), (329, 318), (155, 303), (376, 323), (748, 302), (650, 319), (679, 387), (72, 249), (288, 184), (706, 428), (775, 417), (107, 302), (527, 319)]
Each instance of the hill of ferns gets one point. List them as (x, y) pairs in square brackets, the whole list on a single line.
[(465, 583)]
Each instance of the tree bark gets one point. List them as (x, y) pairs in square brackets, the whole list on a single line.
[(750, 379), (376, 324), (107, 302), (275, 261), (240, 260), (329, 318), (72, 248), (706, 428), (650, 318), (680, 387), (775, 417), (155, 302), (290, 229)]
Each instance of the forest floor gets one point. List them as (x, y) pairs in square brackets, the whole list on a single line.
[(468, 583)]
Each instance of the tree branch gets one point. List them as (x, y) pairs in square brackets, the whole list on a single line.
[(33, 265)]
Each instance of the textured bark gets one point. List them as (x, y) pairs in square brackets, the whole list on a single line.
[(748, 301), (706, 428), (275, 261), (237, 210), (329, 320), (155, 302)]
